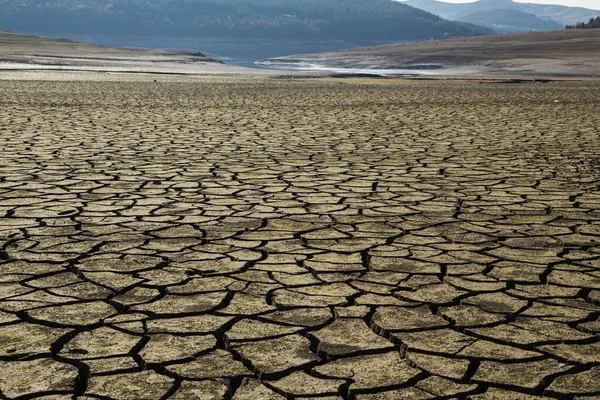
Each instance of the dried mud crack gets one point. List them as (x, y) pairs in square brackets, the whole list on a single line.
[(252, 238)]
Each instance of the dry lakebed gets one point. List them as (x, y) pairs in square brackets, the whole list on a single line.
[(253, 237)]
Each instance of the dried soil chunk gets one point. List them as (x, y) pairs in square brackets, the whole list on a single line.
[(581, 353), (555, 313), (371, 299), (111, 364), (447, 367), (133, 386), (443, 387), (246, 304), (101, 342), (127, 264), (202, 390), (528, 375), (112, 280), (80, 314), (164, 347), (27, 339), (574, 279), (21, 378), (175, 304), (250, 329), (434, 294), (591, 327), (137, 295), (301, 316), (556, 330), (406, 318), (276, 355), (370, 372), (409, 393), (334, 289), (302, 384), (203, 285), (252, 389), (348, 335), (218, 364), (288, 298), (393, 264), (464, 315), (489, 350), (501, 394), (443, 341), (586, 382), (496, 303), (193, 324), (526, 333), (7, 318)]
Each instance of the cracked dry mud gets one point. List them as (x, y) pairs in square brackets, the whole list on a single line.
[(249, 238)]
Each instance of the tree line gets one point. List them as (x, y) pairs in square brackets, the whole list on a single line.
[(592, 24)]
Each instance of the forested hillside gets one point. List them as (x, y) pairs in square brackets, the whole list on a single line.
[(343, 19)]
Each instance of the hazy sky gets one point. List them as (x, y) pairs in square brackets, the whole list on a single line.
[(593, 4)]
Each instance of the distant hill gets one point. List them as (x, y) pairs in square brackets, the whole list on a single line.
[(366, 20), (507, 20), (562, 15)]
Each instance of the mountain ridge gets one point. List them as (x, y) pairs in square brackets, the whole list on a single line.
[(511, 21), (564, 15)]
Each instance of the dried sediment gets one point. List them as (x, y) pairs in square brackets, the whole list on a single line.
[(259, 238)]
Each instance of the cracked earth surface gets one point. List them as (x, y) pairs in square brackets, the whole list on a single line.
[(269, 239)]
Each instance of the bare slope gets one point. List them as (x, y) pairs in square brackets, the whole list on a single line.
[(556, 53), (40, 53)]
